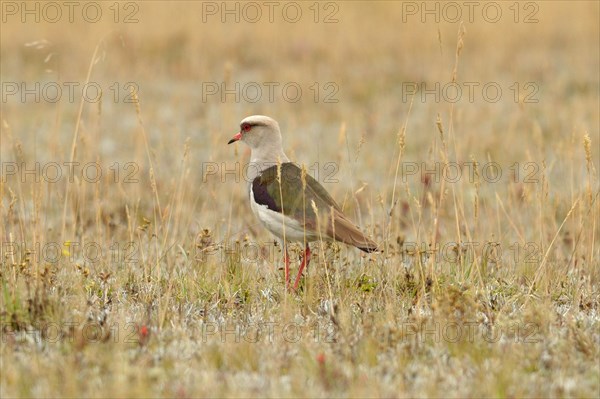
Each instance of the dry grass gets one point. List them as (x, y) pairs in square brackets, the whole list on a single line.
[(186, 297)]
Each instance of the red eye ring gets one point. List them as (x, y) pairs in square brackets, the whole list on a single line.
[(246, 128)]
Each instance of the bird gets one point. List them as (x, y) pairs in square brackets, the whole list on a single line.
[(290, 203)]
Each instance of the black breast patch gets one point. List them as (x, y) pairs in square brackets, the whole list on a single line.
[(262, 196)]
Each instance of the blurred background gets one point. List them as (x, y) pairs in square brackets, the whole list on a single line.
[(339, 77)]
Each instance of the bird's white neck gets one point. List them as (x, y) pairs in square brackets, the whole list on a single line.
[(264, 157)]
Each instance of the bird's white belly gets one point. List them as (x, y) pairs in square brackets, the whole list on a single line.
[(280, 225)]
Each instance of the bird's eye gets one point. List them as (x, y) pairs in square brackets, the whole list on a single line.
[(246, 128)]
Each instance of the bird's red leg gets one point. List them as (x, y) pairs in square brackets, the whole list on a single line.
[(304, 263), (286, 259)]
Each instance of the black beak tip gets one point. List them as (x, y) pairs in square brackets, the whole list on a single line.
[(231, 141)]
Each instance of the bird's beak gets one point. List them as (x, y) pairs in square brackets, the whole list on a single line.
[(235, 138)]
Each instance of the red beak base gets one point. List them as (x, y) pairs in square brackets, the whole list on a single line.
[(235, 138)]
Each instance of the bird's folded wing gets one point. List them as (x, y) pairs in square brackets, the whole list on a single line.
[(283, 188)]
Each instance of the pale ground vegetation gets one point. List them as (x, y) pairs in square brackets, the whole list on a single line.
[(186, 297)]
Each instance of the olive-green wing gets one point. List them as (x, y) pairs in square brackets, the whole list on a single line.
[(290, 195)]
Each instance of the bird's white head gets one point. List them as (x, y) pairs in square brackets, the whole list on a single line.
[(258, 131), (263, 136)]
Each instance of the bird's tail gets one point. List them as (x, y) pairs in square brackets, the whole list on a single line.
[(345, 231)]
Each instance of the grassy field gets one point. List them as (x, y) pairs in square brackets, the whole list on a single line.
[(132, 265)]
